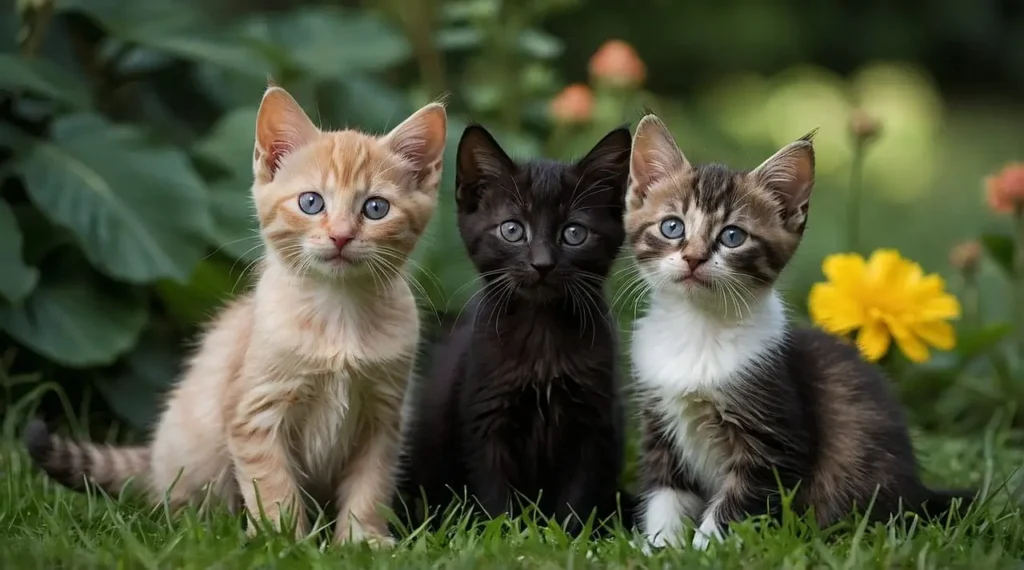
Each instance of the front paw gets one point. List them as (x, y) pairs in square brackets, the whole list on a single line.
[(355, 533), (707, 532)]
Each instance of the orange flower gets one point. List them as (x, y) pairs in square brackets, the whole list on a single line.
[(617, 63), (573, 105), (1005, 190)]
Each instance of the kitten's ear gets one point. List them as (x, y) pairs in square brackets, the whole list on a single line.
[(480, 160), (655, 158), (420, 139), (281, 127), (789, 175), (608, 162)]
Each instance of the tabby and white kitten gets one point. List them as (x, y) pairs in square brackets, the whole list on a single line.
[(297, 388), (731, 394)]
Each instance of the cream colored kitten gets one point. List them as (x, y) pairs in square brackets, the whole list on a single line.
[(297, 388)]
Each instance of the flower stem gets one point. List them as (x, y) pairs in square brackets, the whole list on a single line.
[(972, 300), (1018, 279), (856, 187)]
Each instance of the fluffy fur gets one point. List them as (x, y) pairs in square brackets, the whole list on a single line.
[(522, 402), (732, 395), (297, 387)]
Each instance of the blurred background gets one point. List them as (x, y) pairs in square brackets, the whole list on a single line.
[(127, 130)]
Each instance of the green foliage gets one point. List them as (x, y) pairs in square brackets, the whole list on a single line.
[(125, 215)]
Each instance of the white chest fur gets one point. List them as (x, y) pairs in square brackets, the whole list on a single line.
[(685, 358)]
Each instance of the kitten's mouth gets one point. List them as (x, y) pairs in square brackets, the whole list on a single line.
[(693, 280), (336, 260)]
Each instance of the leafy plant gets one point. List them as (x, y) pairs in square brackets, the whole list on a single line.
[(126, 149), (127, 130)]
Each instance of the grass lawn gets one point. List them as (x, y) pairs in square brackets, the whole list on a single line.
[(45, 526)]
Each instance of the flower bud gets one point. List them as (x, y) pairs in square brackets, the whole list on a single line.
[(574, 105), (1005, 190), (618, 64), (966, 256), (863, 126)]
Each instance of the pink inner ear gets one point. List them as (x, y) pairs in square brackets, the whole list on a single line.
[(275, 153)]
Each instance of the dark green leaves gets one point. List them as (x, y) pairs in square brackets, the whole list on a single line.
[(78, 321), (16, 278), (41, 77), (329, 43), (139, 212), (1000, 248)]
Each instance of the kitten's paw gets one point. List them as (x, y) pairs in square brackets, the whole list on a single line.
[(380, 542), (707, 532)]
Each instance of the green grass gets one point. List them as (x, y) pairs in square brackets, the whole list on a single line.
[(43, 525)]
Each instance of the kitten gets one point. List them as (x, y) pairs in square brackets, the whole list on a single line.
[(730, 392), (523, 398), (298, 386)]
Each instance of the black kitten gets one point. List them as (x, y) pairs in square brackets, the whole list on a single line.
[(522, 402)]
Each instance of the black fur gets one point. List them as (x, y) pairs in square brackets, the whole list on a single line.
[(522, 403)]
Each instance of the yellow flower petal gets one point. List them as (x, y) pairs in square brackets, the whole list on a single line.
[(936, 307), (939, 334), (873, 340), (845, 270), (909, 345), (834, 310)]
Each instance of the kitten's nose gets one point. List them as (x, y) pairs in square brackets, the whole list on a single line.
[(340, 241), (542, 267), (694, 262)]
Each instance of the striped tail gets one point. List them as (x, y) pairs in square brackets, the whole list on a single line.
[(71, 463)]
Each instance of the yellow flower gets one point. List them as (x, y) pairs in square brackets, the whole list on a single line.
[(887, 298)]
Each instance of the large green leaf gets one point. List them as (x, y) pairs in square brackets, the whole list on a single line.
[(331, 43), (364, 102), (1000, 248), (231, 140), (43, 78), (77, 320), (236, 231), (140, 213), (173, 27), (136, 392), (16, 278), (215, 281), (234, 218)]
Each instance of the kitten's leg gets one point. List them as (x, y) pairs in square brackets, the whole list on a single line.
[(741, 495), (670, 494), (368, 484), (262, 464), (591, 484), (489, 472)]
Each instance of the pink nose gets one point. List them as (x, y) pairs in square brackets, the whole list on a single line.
[(693, 262), (341, 241)]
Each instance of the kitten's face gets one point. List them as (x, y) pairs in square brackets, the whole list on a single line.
[(343, 204), (544, 229), (710, 232)]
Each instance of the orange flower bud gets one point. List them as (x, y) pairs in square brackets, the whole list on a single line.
[(863, 126), (1005, 190), (573, 105), (966, 256), (617, 63)]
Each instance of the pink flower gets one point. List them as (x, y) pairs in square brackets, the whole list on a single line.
[(1005, 190), (573, 105), (617, 63)]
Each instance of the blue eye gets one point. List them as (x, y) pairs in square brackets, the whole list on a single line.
[(672, 228), (574, 234), (512, 231), (732, 236), (311, 203), (376, 208)]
